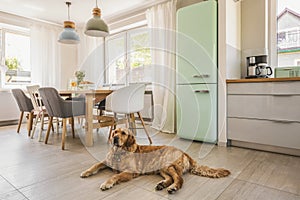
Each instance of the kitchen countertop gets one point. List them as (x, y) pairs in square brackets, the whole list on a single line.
[(258, 80)]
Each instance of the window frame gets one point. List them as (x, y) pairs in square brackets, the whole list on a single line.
[(126, 33), (3, 31), (272, 33), (272, 41)]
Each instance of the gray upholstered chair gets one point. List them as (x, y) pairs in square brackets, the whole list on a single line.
[(58, 107), (25, 105)]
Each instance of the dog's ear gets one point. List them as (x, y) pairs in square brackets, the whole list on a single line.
[(130, 141)]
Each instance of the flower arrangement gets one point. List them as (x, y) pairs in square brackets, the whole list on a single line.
[(80, 76)]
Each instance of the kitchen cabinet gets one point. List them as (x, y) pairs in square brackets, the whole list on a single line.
[(264, 115)]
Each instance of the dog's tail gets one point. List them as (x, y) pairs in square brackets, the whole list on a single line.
[(201, 170), (206, 171)]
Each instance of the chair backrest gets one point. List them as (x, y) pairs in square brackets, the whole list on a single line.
[(52, 101), (24, 103), (35, 97), (126, 100)]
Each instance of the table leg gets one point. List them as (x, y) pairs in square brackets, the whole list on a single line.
[(89, 120)]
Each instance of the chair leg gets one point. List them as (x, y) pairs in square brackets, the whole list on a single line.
[(72, 126), (116, 119), (42, 127), (127, 124), (100, 113), (141, 118), (110, 133), (48, 130), (42, 121), (57, 125), (52, 127), (35, 123), (132, 125), (64, 131), (20, 121), (29, 123)]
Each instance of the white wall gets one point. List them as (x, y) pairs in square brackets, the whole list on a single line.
[(233, 39), (222, 56), (254, 29)]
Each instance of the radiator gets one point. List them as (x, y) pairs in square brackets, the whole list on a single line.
[(8, 106)]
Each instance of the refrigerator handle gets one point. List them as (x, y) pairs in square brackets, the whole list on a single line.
[(202, 91), (201, 76)]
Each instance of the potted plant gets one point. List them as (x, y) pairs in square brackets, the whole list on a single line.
[(79, 76)]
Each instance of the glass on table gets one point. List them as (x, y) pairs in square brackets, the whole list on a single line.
[(72, 84)]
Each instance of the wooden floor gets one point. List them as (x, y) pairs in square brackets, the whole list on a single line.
[(32, 170)]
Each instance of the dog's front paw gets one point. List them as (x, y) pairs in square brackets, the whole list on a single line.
[(85, 174), (106, 186), (172, 189), (160, 185)]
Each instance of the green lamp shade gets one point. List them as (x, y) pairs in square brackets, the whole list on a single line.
[(96, 27), (69, 36)]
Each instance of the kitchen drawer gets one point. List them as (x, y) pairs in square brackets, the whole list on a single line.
[(273, 107), (265, 132), (196, 112), (279, 88)]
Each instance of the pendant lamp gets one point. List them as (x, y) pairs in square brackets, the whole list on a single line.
[(69, 35), (96, 27)]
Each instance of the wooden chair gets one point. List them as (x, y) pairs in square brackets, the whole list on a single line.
[(38, 109), (25, 106), (128, 100), (58, 107)]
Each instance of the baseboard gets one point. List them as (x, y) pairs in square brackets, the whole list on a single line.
[(269, 148), (222, 144), (8, 122)]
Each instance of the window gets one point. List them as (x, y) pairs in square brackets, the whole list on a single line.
[(116, 58), (140, 57), (288, 33), (15, 55), (128, 57)]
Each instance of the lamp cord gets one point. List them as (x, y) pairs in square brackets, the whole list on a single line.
[(68, 3), (96, 4)]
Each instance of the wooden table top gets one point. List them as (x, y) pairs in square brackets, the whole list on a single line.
[(69, 92)]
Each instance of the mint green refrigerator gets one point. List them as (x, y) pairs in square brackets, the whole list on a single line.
[(196, 72)]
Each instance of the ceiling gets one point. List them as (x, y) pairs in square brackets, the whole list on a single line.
[(56, 11)]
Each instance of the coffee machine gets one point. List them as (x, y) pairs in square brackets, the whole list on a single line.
[(257, 67)]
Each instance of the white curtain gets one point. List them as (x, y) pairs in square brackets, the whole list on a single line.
[(45, 59), (162, 22), (91, 58)]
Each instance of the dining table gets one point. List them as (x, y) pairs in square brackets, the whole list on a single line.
[(91, 98)]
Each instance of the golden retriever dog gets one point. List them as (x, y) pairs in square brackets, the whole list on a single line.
[(131, 160)]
